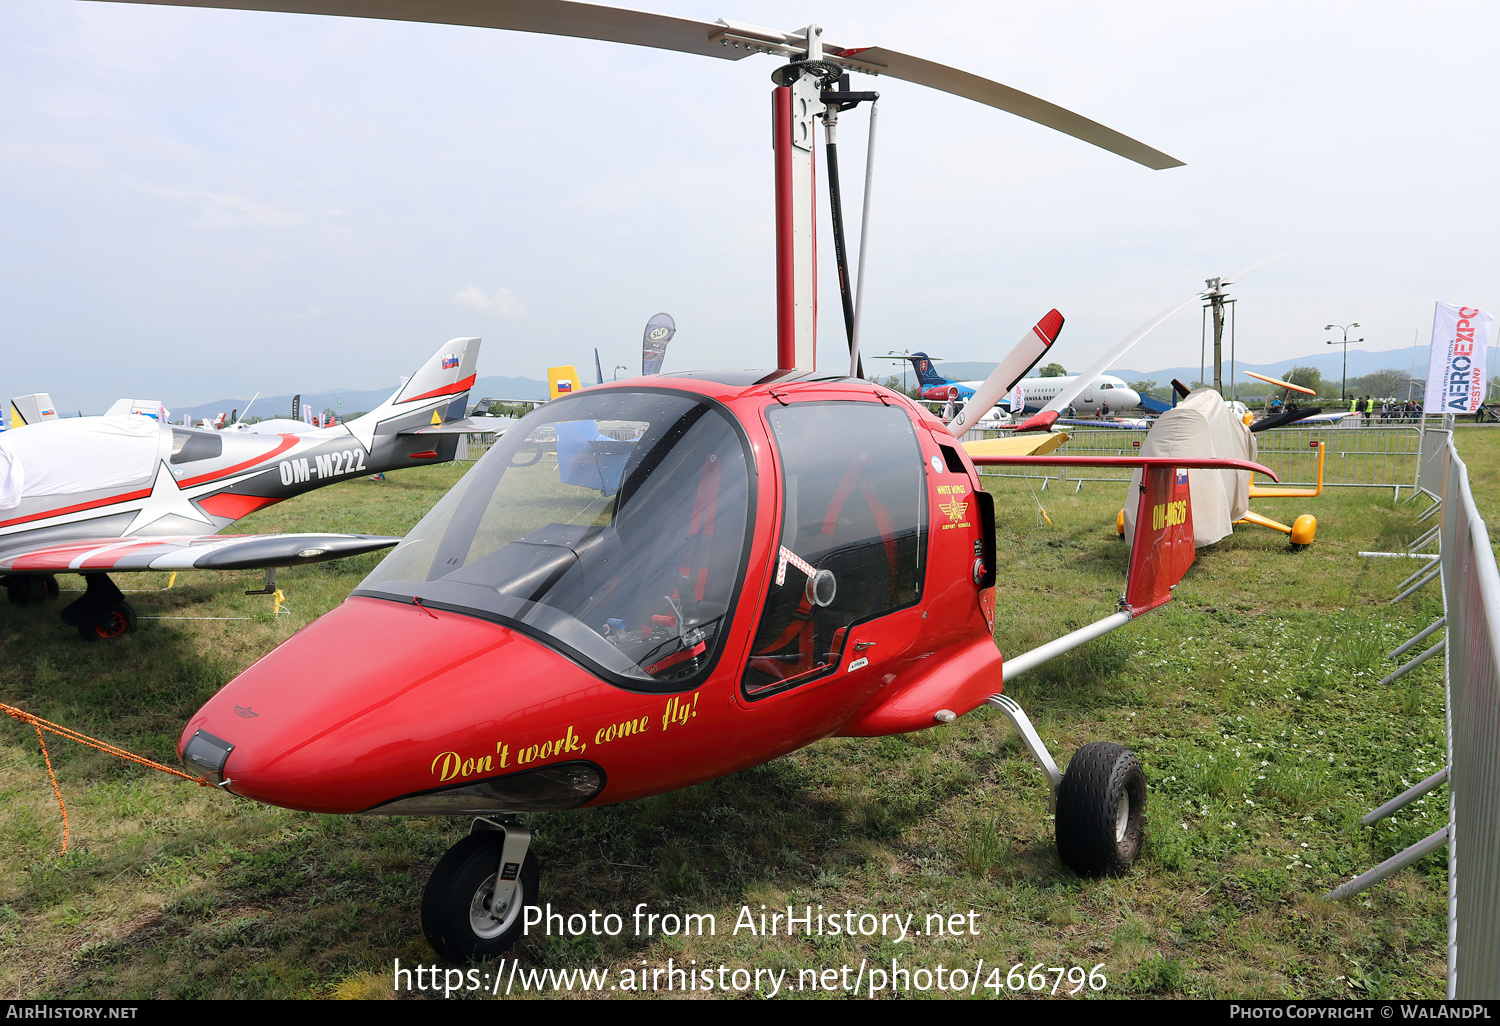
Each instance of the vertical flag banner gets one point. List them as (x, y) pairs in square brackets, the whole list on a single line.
[(659, 331), (1018, 398), (1455, 367)]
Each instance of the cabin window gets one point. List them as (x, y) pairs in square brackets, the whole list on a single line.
[(854, 505), (612, 526), (191, 446)]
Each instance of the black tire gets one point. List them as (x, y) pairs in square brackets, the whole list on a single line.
[(121, 621), (456, 900), (50, 590), (1096, 836)]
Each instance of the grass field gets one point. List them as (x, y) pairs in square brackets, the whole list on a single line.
[(1251, 700)]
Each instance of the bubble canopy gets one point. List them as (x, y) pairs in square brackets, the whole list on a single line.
[(612, 526)]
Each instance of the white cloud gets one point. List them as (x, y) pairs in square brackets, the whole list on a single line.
[(504, 303), (230, 210)]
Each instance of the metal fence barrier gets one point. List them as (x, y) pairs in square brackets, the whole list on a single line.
[(1471, 616), (1372, 456)]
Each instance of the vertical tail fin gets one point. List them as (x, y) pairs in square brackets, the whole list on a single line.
[(926, 374), (438, 388), (562, 381), (1163, 546)]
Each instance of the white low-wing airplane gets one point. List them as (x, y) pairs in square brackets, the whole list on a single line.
[(1034, 393), (94, 495), (1104, 390)]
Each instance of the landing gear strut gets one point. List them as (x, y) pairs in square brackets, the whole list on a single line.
[(1100, 802), (474, 903), (101, 612)]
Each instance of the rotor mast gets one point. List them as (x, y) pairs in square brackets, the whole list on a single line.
[(1215, 298), (795, 107)]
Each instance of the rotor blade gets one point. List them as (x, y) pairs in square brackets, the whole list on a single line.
[(1032, 347), (1237, 275), (1283, 384), (1128, 342), (1283, 419), (726, 40), (1120, 348), (551, 17), (993, 94)]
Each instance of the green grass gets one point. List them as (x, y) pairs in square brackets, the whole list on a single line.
[(1250, 700)]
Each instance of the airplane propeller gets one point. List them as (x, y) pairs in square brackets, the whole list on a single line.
[(1026, 354)]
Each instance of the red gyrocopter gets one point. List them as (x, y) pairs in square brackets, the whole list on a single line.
[(657, 582)]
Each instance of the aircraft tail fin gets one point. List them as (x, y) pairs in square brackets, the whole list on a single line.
[(29, 409), (1163, 547), (439, 389), (562, 381), (926, 374)]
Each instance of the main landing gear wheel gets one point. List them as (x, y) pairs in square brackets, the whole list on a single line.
[(458, 916), (23, 589), (117, 623), (1101, 810)]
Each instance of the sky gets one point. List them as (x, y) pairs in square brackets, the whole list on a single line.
[(197, 204)]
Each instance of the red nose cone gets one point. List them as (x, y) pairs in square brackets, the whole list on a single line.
[(379, 700)]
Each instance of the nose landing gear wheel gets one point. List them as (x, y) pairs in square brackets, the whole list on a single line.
[(458, 913), (1101, 810)]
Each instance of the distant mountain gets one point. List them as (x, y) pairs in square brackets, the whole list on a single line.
[(348, 400), (1330, 364)]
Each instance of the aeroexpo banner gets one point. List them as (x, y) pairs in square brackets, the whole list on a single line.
[(1455, 368)]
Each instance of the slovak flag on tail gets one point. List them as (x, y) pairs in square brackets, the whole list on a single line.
[(450, 362)]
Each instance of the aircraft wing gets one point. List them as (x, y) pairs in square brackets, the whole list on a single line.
[(1036, 443), (203, 552)]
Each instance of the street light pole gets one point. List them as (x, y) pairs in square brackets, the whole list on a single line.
[(1346, 343), (902, 356)]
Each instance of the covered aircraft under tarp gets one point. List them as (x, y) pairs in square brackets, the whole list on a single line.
[(1202, 426), (77, 456)]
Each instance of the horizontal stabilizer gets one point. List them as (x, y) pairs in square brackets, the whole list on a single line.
[(467, 426), (1144, 462), (205, 552)]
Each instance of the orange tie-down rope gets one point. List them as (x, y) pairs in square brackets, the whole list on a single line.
[(83, 739)]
